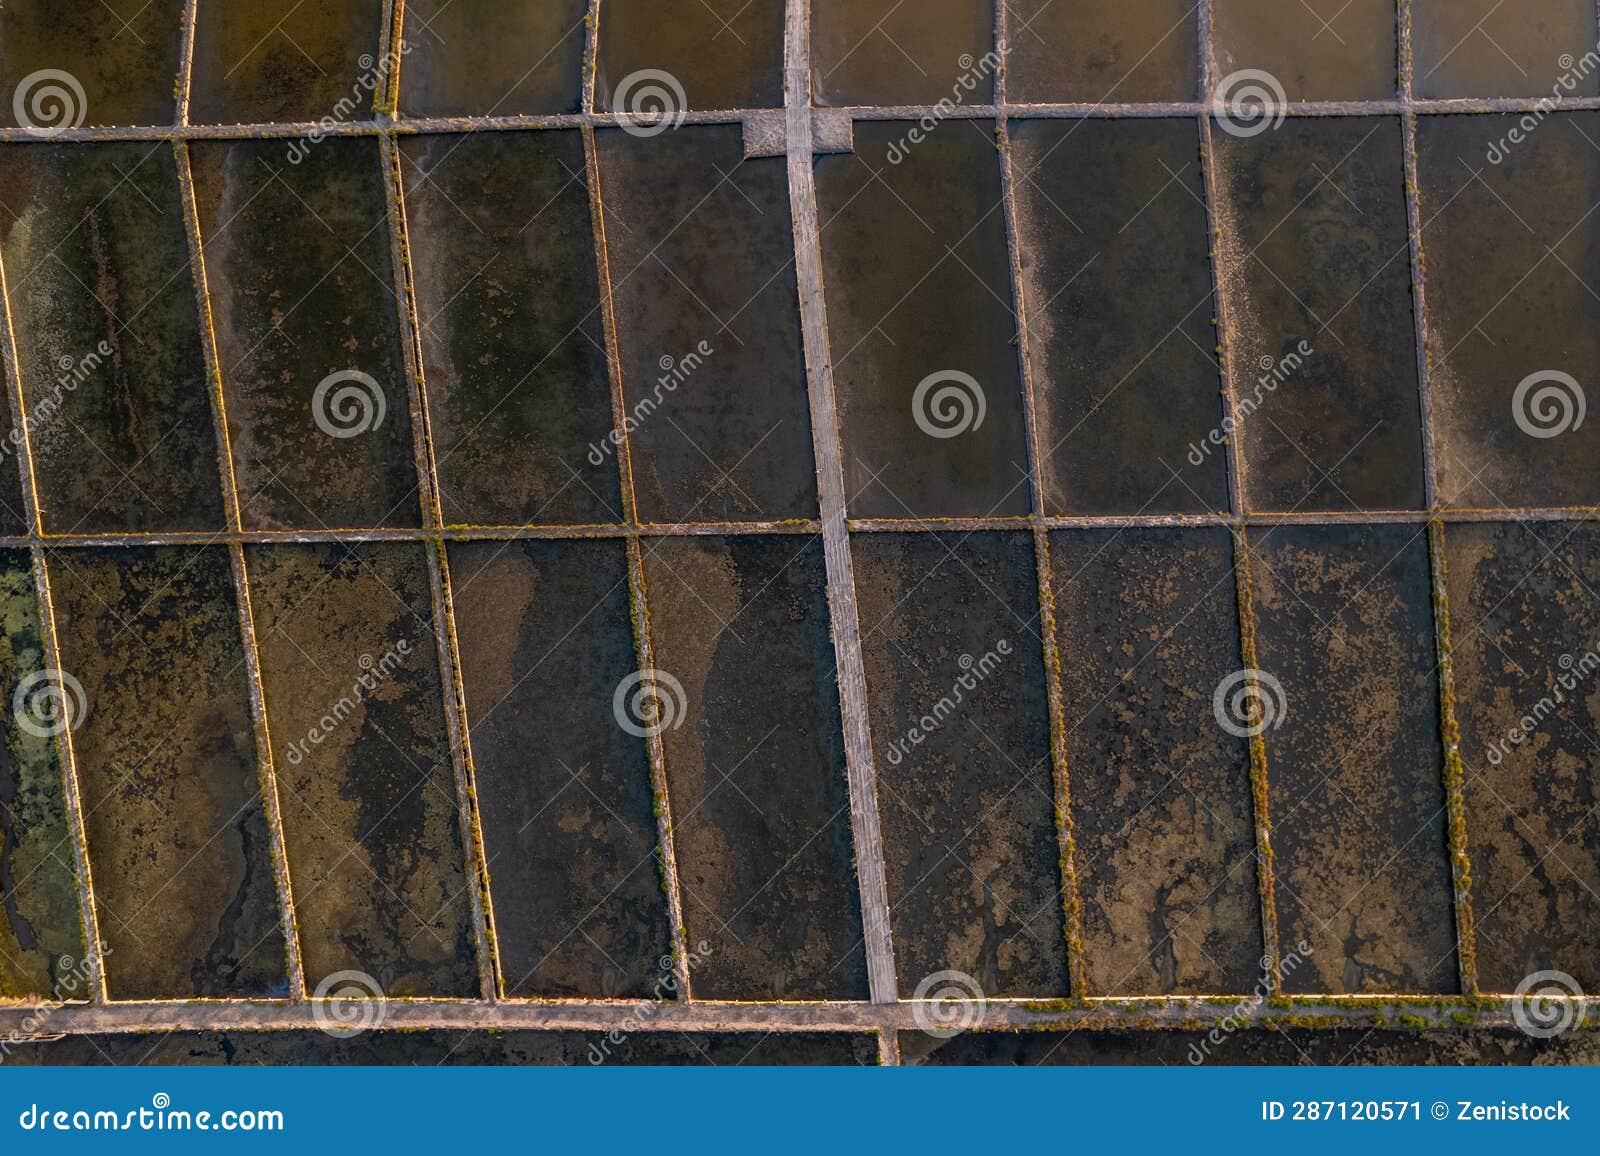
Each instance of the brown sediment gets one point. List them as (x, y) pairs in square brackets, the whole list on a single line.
[(1150, 624), (512, 347), (124, 62), (303, 287), (442, 605), (1496, 322), (464, 765), (172, 810), (629, 540), (723, 53), (886, 52), (755, 759), (1113, 218), (919, 289), (1227, 265), (1102, 50), (1060, 762), (109, 344), (280, 60), (1318, 205), (469, 56), (371, 819), (1477, 47), (1359, 831), (982, 780), (271, 803), (566, 801), (1524, 668), (1317, 50), (93, 970), (666, 861), (697, 265)]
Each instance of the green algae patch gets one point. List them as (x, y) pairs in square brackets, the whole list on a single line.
[(41, 935)]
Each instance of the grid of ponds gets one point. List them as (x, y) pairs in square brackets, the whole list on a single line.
[(393, 406)]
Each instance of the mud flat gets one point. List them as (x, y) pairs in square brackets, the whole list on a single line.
[(965, 786), (302, 288), (1526, 624), (486, 58), (1318, 50), (886, 52), (282, 60), (919, 290), (124, 55), (563, 791), (1501, 316), (513, 350), (1315, 251), (755, 767), (1117, 284), (1148, 624), (723, 53), (708, 325), (1345, 626), (1481, 48), (108, 336), (178, 839), (369, 803)]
